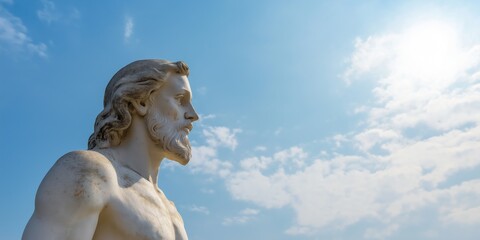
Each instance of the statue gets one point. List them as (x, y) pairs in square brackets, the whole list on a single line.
[(110, 190)]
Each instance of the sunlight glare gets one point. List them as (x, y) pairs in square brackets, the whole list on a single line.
[(429, 52)]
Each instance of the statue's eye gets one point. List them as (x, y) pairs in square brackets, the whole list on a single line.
[(179, 98)]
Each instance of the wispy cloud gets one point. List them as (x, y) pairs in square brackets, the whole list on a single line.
[(260, 148), (244, 216), (48, 13), (207, 116), (199, 209), (202, 90), (128, 31), (14, 36)]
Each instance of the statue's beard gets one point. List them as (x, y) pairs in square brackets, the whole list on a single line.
[(170, 136)]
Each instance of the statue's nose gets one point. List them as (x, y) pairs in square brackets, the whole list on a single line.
[(191, 114)]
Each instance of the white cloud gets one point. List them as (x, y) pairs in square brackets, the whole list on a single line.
[(297, 230), (235, 220), (348, 189), (249, 211), (293, 156), (205, 160), (244, 216), (221, 136), (128, 28), (369, 54), (207, 116), (383, 233), (207, 190), (205, 157), (253, 185), (339, 139), (464, 216), (260, 148), (422, 77), (14, 37), (291, 159), (256, 162), (199, 209), (48, 13), (371, 137)]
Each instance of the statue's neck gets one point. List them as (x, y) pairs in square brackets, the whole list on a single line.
[(138, 152)]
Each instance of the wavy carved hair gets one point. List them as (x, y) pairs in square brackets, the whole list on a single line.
[(136, 81)]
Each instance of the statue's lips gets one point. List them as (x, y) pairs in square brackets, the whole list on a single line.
[(188, 128)]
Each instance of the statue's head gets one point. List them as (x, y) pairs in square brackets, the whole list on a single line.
[(159, 92)]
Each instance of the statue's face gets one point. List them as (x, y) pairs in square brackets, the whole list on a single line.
[(170, 117)]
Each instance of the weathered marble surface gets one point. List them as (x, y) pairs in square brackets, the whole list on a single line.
[(110, 190)]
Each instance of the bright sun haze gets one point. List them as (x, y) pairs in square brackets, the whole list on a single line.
[(430, 50)]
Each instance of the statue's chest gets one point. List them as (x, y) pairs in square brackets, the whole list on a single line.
[(142, 212)]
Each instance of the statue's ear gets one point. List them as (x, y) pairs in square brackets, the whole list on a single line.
[(140, 107)]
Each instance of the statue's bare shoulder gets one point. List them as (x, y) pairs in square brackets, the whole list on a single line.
[(80, 176), (72, 194)]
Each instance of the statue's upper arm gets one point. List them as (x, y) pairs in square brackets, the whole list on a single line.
[(70, 198)]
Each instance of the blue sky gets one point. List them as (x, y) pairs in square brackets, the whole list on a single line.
[(320, 119)]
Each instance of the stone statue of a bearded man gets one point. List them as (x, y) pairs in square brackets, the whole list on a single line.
[(110, 190)]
